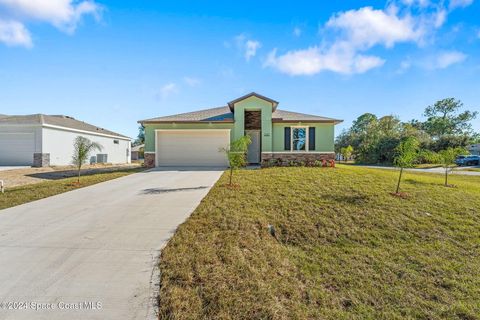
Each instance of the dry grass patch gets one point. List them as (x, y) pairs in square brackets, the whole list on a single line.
[(22, 194), (344, 248)]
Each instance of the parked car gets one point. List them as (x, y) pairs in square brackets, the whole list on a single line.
[(468, 160)]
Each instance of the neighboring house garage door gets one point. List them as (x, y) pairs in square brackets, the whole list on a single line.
[(191, 147), (16, 149)]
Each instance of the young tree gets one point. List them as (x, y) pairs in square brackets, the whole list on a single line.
[(406, 153), (346, 152), (447, 158), (237, 154), (82, 149)]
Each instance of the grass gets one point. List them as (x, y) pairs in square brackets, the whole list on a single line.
[(344, 248), (31, 192), (472, 169), (427, 166)]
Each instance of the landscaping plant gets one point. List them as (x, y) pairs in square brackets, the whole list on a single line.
[(346, 152), (406, 153), (82, 149), (237, 154), (447, 158)]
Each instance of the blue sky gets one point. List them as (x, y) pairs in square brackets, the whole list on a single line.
[(112, 63)]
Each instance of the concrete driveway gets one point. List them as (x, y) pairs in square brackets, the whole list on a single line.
[(92, 253)]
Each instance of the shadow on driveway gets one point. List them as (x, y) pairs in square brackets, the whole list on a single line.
[(166, 190)]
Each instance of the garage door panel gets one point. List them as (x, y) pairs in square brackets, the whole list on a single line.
[(192, 147), (17, 148)]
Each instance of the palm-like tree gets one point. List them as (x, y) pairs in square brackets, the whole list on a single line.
[(82, 149)]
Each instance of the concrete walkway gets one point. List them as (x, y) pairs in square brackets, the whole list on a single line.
[(94, 250), (6, 168), (439, 170)]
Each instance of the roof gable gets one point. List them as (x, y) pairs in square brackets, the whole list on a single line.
[(232, 103)]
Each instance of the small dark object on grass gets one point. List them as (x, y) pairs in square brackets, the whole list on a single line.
[(271, 230)]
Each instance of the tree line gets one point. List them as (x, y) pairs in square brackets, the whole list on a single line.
[(374, 140)]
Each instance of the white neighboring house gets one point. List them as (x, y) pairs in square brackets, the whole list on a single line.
[(41, 140)]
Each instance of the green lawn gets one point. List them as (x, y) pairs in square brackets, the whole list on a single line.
[(427, 166), (344, 248), (27, 193)]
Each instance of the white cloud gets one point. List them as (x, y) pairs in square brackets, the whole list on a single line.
[(440, 17), (13, 33), (364, 63), (168, 89), (419, 3), (367, 27), (65, 15), (191, 81), (460, 3), (446, 59), (248, 46), (358, 31), (297, 32), (251, 47), (339, 58)]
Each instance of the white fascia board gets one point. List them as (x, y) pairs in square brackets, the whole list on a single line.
[(84, 131)]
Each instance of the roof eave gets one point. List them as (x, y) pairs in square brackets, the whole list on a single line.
[(334, 121), (182, 121)]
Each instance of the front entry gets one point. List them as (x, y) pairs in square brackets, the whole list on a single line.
[(253, 153)]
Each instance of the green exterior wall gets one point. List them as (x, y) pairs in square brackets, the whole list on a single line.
[(150, 130), (272, 133), (253, 104), (324, 135)]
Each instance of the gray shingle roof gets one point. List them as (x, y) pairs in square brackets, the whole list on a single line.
[(283, 116), (220, 114), (56, 120), (223, 114)]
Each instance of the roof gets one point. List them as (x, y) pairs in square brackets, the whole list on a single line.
[(56, 120), (220, 114), (253, 94), (224, 115), (138, 148)]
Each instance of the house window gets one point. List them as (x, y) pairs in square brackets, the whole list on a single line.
[(115, 141), (299, 139)]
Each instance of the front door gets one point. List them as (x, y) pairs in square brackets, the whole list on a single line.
[(253, 153)]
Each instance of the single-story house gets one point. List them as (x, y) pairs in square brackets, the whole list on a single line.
[(137, 151), (194, 138), (47, 140)]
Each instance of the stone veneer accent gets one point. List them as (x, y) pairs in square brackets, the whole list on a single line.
[(284, 158), (41, 159), (149, 160)]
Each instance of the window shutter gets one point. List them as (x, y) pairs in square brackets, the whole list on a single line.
[(287, 138), (311, 138)]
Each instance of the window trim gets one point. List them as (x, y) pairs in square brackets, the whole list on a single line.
[(306, 138)]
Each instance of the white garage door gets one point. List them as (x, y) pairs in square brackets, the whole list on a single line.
[(191, 147), (16, 149)]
